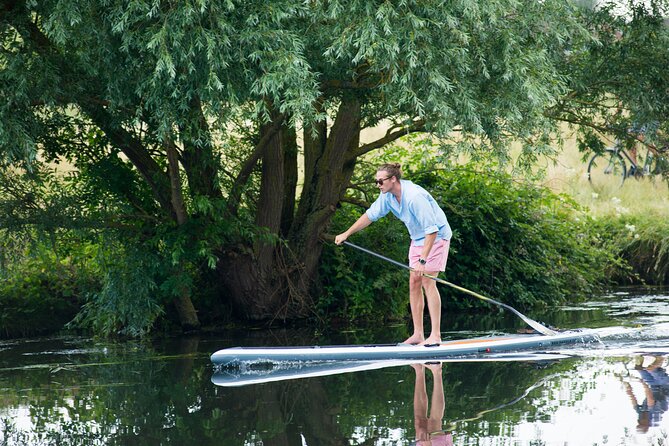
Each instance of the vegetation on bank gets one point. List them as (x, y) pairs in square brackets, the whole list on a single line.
[(40, 293), (642, 243), (207, 173), (513, 240), (193, 145)]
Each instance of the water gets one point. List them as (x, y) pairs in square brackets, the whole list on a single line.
[(76, 391)]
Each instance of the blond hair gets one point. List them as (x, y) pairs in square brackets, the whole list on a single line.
[(393, 169)]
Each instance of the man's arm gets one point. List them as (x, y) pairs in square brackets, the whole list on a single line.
[(359, 225)]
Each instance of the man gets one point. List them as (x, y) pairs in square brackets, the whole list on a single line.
[(430, 239)]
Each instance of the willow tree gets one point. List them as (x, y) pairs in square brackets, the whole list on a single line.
[(154, 93), (617, 76)]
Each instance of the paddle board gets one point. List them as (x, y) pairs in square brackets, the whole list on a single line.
[(454, 348), (272, 372)]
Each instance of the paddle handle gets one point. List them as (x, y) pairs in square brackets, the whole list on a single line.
[(395, 262)]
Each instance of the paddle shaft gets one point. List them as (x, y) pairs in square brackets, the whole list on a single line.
[(532, 323)]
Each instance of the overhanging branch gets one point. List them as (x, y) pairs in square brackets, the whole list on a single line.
[(390, 136)]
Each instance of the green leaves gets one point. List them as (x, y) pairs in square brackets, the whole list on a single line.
[(110, 85), (617, 74)]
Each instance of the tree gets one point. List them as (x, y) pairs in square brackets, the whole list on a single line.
[(617, 75), (152, 92)]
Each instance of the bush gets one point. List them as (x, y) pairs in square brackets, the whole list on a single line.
[(518, 242), (513, 241), (642, 242), (40, 296)]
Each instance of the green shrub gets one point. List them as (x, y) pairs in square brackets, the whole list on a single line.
[(40, 296), (642, 242), (357, 285), (512, 241), (517, 242)]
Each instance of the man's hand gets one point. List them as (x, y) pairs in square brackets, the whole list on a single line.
[(341, 238), (418, 267)]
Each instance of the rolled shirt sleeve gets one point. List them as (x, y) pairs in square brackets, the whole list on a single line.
[(379, 208)]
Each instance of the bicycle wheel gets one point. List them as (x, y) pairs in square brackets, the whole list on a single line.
[(607, 171)]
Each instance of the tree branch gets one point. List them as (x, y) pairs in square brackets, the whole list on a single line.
[(355, 201), (249, 165), (136, 153), (390, 136), (175, 181), (94, 108)]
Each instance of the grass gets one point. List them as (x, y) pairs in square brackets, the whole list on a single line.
[(568, 174), (635, 216)]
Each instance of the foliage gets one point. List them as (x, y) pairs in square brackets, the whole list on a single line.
[(513, 241), (42, 293), (113, 88), (357, 286), (617, 75), (642, 241), (75, 218), (517, 241)]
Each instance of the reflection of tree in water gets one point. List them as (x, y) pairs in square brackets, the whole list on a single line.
[(471, 392), (124, 394), (651, 375), (134, 395)]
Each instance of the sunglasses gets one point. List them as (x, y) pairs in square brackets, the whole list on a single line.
[(380, 182)]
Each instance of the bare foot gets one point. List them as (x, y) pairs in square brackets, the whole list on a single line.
[(414, 340), (418, 367), (434, 367), (431, 341)]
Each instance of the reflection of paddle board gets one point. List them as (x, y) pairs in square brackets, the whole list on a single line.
[(270, 372), (448, 349)]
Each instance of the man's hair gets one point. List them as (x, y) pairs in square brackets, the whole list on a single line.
[(393, 169)]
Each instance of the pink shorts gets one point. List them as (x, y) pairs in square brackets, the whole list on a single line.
[(436, 261), (437, 440)]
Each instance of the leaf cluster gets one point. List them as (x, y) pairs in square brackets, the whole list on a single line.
[(617, 77)]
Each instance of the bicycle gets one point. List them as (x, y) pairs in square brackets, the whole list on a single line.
[(608, 170)]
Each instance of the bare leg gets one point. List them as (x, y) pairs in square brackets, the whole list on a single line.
[(434, 307), (417, 303), (420, 403), (435, 420)]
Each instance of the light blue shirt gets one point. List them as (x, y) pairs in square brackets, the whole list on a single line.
[(417, 210)]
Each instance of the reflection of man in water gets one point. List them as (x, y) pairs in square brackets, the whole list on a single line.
[(655, 383), (429, 431)]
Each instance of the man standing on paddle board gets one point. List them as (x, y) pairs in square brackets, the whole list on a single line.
[(430, 239)]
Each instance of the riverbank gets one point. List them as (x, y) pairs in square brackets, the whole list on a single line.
[(527, 247), (634, 217)]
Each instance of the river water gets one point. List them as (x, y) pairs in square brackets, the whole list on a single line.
[(78, 391)]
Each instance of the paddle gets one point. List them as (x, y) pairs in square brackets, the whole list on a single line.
[(532, 323)]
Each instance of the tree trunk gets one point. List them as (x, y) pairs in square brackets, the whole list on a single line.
[(270, 204), (198, 158), (256, 285), (289, 140), (331, 175), (183, 303), (273, 281)]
